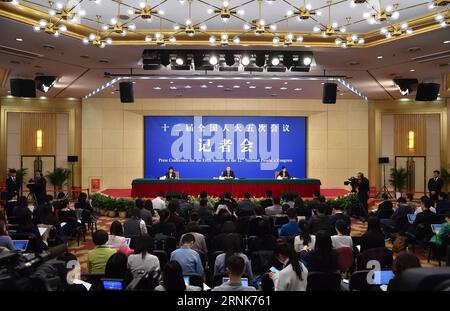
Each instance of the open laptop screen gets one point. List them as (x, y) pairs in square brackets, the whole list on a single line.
[(382, 277), (244, 281), (109, 284), (20, 244)]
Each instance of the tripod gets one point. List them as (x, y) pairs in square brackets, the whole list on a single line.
[(385, 189)]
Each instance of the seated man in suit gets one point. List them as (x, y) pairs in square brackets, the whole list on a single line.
[(283, 174), (171, 174), (228, 173)]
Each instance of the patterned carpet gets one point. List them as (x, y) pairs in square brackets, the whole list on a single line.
[(358, 228)]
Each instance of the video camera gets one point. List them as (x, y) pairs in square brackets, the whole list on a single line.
[(353, 182), (19, 271)]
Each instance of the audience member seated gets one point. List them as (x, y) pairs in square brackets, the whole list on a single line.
[(185, 207), (164, 228), (117, 268), (228, 227), (419, 209), (232, 246), (385, 208), (143, 261), (294, 275), (374, 236), (98, 257), (116, 239), (173, 281), (339, 214), (5, 239), (304, 241), (403, 261), (245, 207), (323, 258), (275, 209), (83, 202), (200, 243), (262, 239), (342, 238), (254, 220), (230, 202), (45, 216), (320, 221), (398, 220), (268, 200), (73, 275), (22, 209), (203, 196), (188, 259), (235, 267), (222, 214), (443, 204), (134, 226), (438, 238), (410, 200), (148, 205), (26, 225), (291, 228), (145, 214), (204, 212), (60, 202), (174, 207), (301, 208), (424, 220), (159, 203)]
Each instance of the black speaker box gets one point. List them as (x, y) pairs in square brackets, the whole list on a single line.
[(72, 158), (329, 93), (23, 88), (383, 160), (126, 92), (427, 91)]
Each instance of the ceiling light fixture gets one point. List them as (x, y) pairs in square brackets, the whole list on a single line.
[(331, 28), (97, 38), (51, 25)]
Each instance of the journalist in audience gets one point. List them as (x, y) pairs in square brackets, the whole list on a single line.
[(245, 207), (290, 229), (305, 241), (268, 201), (188, 259), (98, 257), (204, 212), (235, 266), (83, 202), (275, 209), (302, 209), (342, 238), (173, 281), (254, 220), (385, 208), (203, 196), (232, 246), (320, 221), (174, 207), (116, 239), (323, 258), (263, 239), (143, 260), (374, 236), (134, 226), (424, 220), (439, 237), (164, 227), (116, 268), (145, 215), (443, 204), (159, 203), (403, 261), (338, 214), (228, 227), (293, 277), (5, 239), (200, 243)]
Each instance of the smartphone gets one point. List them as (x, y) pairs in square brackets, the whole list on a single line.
[(274, 270)]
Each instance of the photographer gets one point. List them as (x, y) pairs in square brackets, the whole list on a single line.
[(363, 192)]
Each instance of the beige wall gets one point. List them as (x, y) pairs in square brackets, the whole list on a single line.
[(112, 134)]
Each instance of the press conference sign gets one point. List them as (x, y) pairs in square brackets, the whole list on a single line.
[(201, 146)]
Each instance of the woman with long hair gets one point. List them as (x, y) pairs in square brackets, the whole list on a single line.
[(323, 258), (172, 279), (143, 260), (294, 275), (305, 241)]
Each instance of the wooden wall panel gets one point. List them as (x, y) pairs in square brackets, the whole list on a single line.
[(30, 123), (402, 125)]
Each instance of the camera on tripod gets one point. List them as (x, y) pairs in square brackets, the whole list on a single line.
[(353, 182)]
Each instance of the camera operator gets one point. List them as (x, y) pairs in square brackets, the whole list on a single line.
[(363, 192)]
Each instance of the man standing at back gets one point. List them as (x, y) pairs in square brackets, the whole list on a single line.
[(13, 185), (435, 185)]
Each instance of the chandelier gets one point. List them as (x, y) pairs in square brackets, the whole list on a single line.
[(145, 11), (304, 12), (225, 12), (331, 28), (189, 28), (382, 14), (117, 26), (443, 18), (159, 38), (437, 3), (396, 30), (97, 38), (258, 26), (288, 38), (350, 40), (51, 25), (71, 11)]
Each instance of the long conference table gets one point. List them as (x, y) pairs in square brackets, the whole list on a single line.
[(149, 188)]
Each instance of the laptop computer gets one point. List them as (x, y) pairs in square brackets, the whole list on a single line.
[(20, 244), (411, 218), (112, 284), (382, 277), (244, 281), (436, 228)]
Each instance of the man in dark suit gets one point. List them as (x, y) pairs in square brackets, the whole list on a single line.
[(246, 207), (443, 204), (13, 185), (435, 185), (424, 220), (338, 214), (228, 173), (320, 221), (38, 187), (170, 174), (363, 192), (284, 173), (268, 200)]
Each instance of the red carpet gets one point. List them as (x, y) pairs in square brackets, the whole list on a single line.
[(126, 193)]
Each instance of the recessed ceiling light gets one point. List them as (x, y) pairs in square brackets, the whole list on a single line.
[(283, 88), (248, 82), (412, 70), (236, 86), (322, 83), (210, 82), (134, 82), (188, 87), (220, 85), (156, 88), (203, 86), (297, 89), (173, 87), (380, 57), (19, 39), (285, 82), (268, 87), (446, 41), (171, 82), (252, 87)]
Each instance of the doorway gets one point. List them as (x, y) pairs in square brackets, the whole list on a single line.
[(33, 163)]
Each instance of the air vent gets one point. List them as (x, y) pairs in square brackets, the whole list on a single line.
[(415, 49), (20, 53), (354, 63), (444, 65), (432, 57), (103, 61), (48, 47), (84, 56)]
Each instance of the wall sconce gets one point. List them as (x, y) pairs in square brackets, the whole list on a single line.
[(411, 135), (39, 139)]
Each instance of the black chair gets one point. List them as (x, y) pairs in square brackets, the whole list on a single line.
[(206, 230), (88, 220), (133, 240), (278, 221), (94, 279), (162, 257), (169, 244), (322, 281), (358, 281), (261, 261), (424, 279), (72, 228), (195, 280), (32, 240)]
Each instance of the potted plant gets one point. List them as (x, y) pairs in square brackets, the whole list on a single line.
[(130, 206), (121, 205), (398, 179), (445, 175), (58, 177), (111, 207)]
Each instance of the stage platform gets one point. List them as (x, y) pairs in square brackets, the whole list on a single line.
[(149, 188)]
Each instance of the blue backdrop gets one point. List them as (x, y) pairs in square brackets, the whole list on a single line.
[(201, 147)]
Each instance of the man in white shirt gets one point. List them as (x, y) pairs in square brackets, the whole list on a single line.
[(158, 202), (275, 209)]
